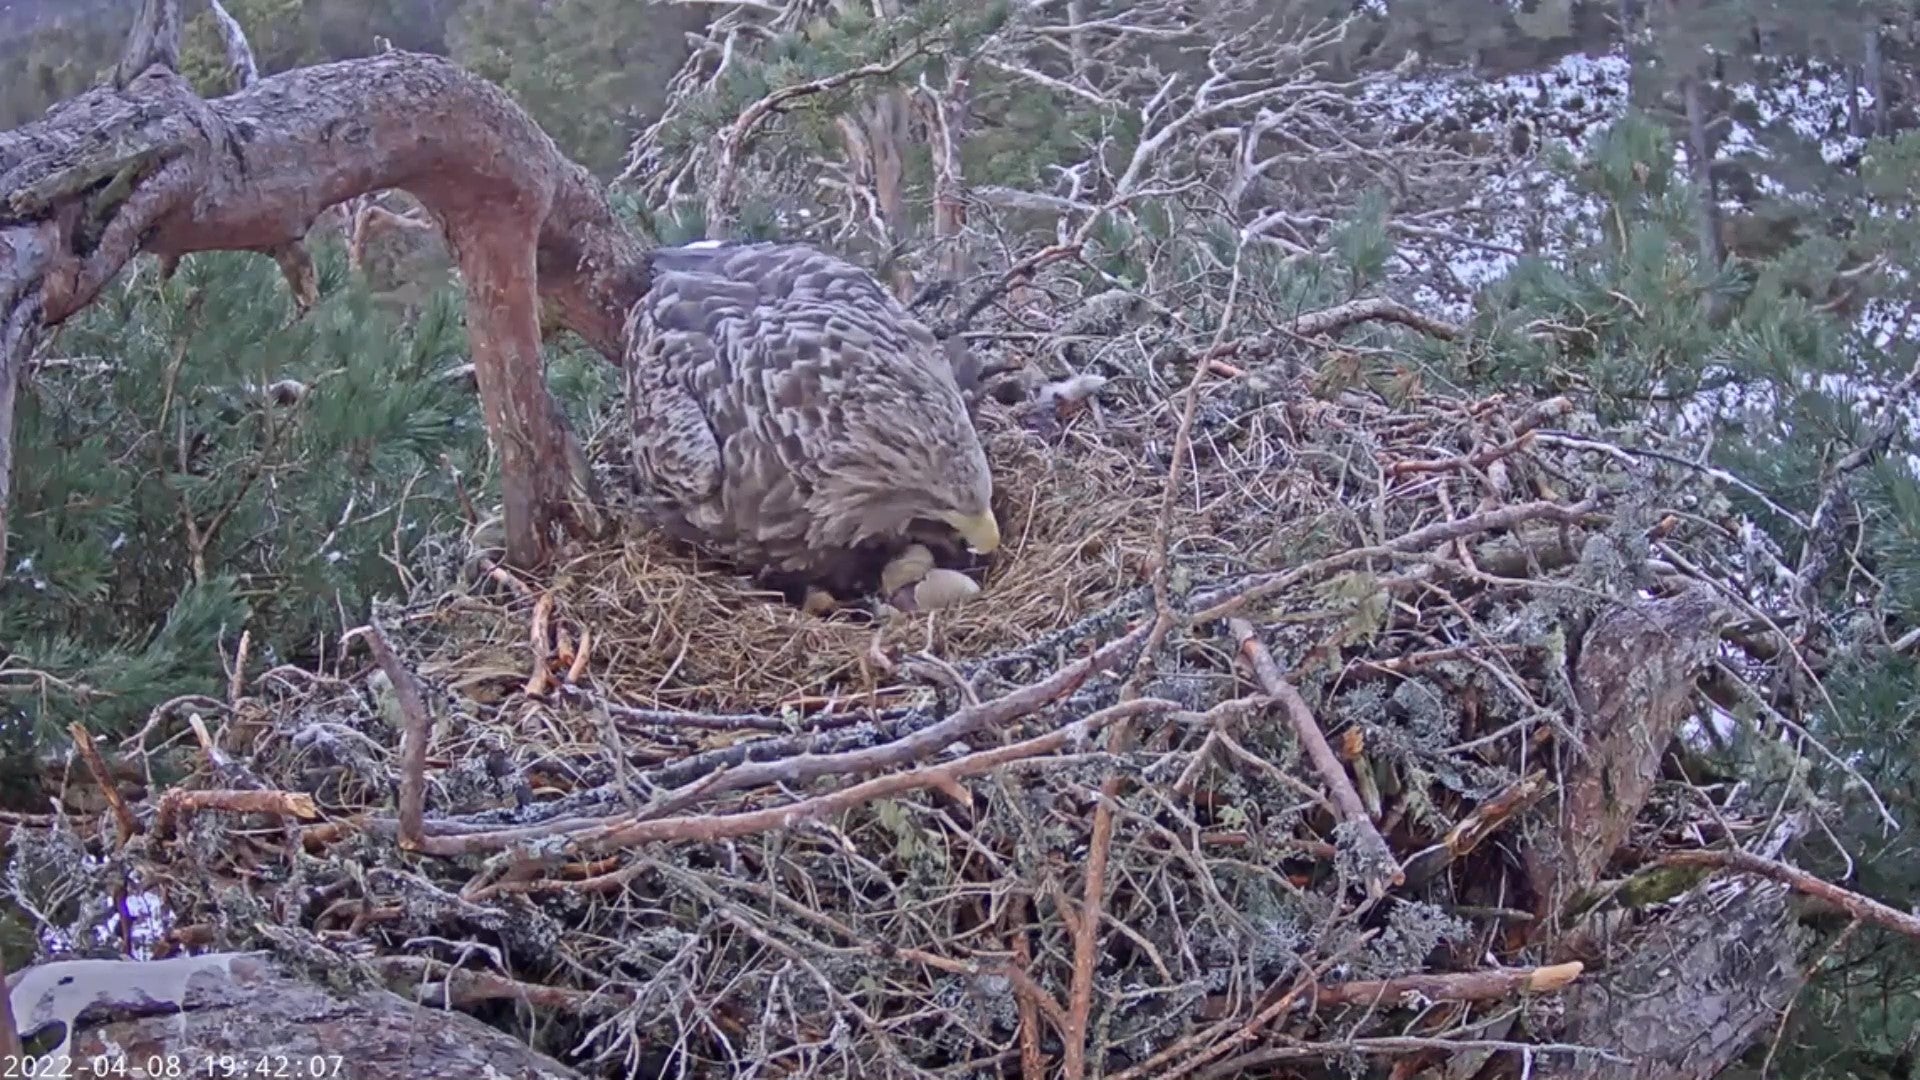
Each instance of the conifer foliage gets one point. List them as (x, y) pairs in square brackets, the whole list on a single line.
[(197, 460), (1698, 352)]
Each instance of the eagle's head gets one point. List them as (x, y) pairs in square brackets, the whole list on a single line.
[(955, 493), (970, 515), (961, 480), (915, 467)]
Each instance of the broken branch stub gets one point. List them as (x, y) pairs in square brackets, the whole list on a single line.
[(153, 168), (155, 39), (1635, 681)]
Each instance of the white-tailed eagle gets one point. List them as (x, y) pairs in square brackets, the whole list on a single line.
[(792, 418)]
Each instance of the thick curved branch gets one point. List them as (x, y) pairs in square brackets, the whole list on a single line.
[(154, 168), (255, 169)]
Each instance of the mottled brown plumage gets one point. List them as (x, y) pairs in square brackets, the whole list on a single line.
[(792, 418)]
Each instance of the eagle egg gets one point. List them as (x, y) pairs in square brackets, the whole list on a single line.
[(941, 588)]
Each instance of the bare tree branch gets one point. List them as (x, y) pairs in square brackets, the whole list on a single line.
[(417, 726), (178, 178), (1382, 869), (1866, 909)]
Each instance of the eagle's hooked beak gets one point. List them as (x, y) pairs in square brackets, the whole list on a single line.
[(980, 531)]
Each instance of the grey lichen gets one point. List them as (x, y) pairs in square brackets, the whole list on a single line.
[(1414, 930)]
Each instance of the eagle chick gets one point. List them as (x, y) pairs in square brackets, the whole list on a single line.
[(793, 419)]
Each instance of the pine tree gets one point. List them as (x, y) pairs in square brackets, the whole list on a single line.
[(195, 461), (593, 72), (1774, 365), (54, 64)]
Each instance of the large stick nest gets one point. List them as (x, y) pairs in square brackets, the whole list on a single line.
[(612, 750)]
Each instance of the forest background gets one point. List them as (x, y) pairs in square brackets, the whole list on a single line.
[(1721, 201)]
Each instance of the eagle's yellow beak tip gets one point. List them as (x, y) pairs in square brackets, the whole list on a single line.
[(981, 532)]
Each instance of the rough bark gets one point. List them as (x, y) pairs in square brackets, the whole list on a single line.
[(1700, 163), (155, 39), (153, 168), (947, 136), (1686, 994), (1694, 991), (1635, 681), (254, 1011), (885, 118), (882, 123), (873, 139)]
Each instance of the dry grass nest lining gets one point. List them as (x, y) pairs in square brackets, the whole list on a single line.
[(1079, 507)]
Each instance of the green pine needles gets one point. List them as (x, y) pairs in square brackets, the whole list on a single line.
[(194, 460)]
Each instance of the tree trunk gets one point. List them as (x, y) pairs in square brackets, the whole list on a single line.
[(1875, 78), (946, 123), (1688, 993), (1694, 991), (153, 168), (1077, 40), (1635, 681), (1700, 164), (885, 118), (873, 139), (495, 253), (245, 1008)]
